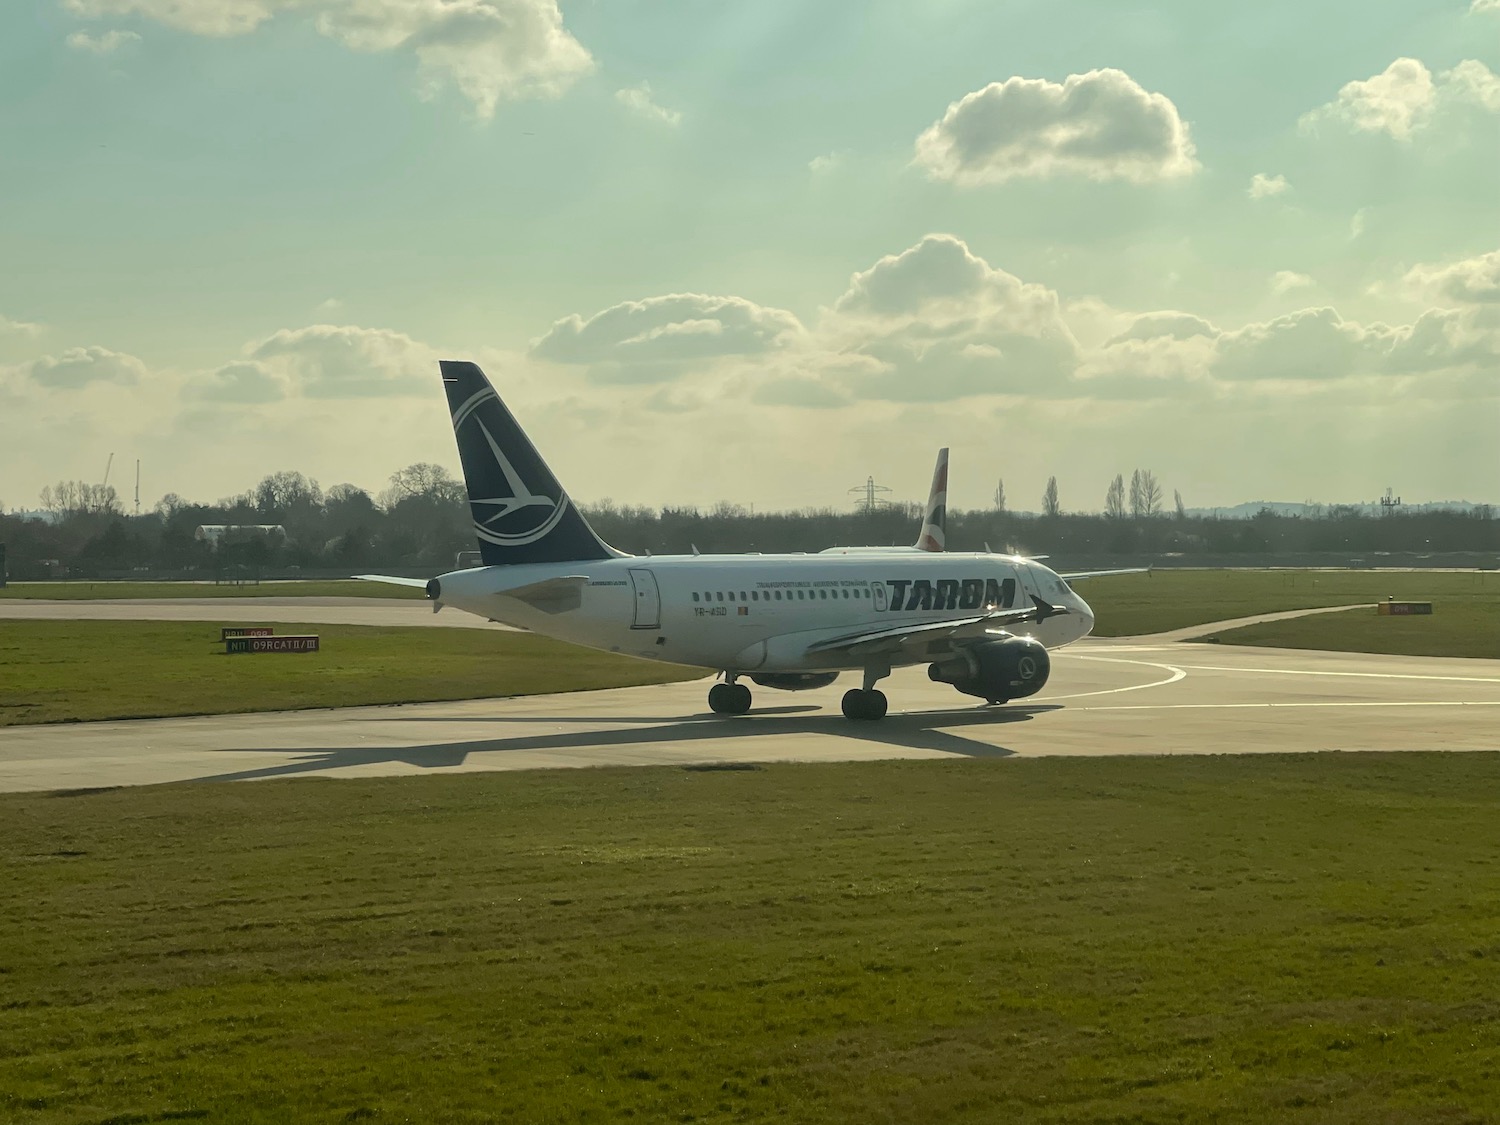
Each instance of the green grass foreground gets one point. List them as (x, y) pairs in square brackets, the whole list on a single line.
[(1247, 939), (88, 591), (1457, 627), (56, 671), (1131, 604)]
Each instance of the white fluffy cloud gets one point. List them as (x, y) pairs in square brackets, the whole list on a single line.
[(652, 340), (1403, 99), (244, 381), (9, 327), (1284, 281), (336, 361), (938, 322), (1102, 125), (105, 44), (1484, 6), (638, 100), (491, 50), (1468, 281), (1263, 186), (79, 367)]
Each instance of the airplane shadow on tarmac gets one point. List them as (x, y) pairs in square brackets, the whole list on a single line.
[(917, 729)]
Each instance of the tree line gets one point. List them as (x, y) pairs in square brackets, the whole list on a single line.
[(421, 522)]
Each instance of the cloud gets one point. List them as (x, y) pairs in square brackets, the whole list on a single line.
[(10, 327), (938, 322), (1473, 82), (826, 164), (105, 44), (1169, 325), (1102, 125), (1358, 222), (340, 361), (491, 50), (799, 390), (79, 367), (239, 382), (217, 18), (653, 339), (1263, 186), (1284, 281), (1469, 281), (638, 100), (1404, 99), (1484, 6)]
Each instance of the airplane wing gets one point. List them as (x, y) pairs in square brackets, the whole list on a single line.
[(878, 641), (1103, 573), (419, 583)]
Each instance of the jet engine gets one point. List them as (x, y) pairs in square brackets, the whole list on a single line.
[(795, 681), (997, 670)]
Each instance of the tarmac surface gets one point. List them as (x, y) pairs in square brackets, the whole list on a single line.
[(1143, 695), (268, 610)]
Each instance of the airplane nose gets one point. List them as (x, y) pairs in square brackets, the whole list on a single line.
[(1086, 614)]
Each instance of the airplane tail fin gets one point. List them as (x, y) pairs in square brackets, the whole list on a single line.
[(934, 534), (521, 514)]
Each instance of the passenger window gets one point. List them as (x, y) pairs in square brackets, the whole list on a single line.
[(731, 595), (721, 595), (742, 596), (695, 597), (846, 595)]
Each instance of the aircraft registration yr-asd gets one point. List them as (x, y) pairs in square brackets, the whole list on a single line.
[(981, 622)]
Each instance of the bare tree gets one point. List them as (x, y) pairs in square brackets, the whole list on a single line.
[(1114, 499), (1050, 505), (1000, 495), (1181, 509), (1137, 495), (1150, 493), (77, 496)]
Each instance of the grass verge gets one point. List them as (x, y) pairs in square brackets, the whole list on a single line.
[(1300, 939), (86, 591), (1131, 604), (58, 671), (1467, 627)]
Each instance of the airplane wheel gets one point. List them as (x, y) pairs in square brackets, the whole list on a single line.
[(864, 704), (740, 702), (853, 704), (721, 699)]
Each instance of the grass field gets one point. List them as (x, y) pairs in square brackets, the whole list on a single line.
[(1131, 604), (1457, 627), (54, 671), (1237, 940), (76, 591)]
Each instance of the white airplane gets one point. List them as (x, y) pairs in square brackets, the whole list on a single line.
[(981, 622)]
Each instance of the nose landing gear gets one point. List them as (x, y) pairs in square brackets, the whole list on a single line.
[(729, 698)]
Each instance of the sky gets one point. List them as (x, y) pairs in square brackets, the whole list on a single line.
[(756, 251)]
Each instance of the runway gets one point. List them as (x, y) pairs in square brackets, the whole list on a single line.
[(1151, 695)]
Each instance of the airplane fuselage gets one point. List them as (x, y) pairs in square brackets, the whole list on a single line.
[(761, 613)]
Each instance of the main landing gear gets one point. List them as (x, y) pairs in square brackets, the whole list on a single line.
[(867, 702), (729, 698), (864, 704)]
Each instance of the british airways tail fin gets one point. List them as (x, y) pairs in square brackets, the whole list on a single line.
[(521, 514), (934, 534)]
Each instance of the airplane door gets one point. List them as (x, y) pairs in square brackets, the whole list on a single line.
[(647, 600), (879, 590), (1028, 582)]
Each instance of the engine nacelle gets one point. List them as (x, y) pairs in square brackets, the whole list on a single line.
[(795, 681), (997, 670)]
